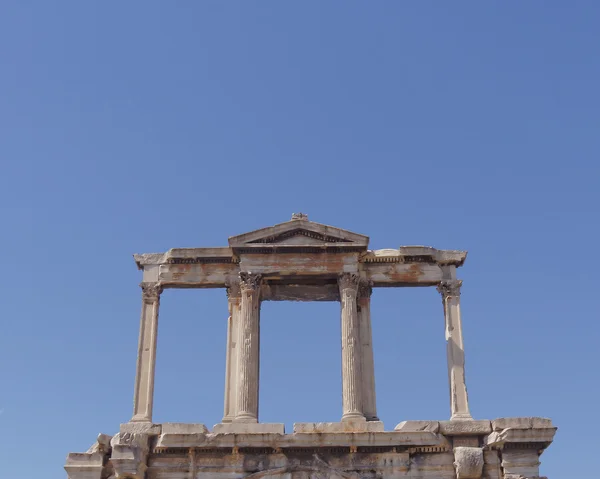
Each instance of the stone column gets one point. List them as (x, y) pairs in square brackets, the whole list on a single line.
[(351, 349), (365, 290), (248, 345), (234, 300), (143, 395), (459, 403)]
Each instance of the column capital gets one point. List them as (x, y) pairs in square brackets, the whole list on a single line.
[(365, 288), (450, 288), (233, 288), (348, 281), (250, 281), (151, 291)]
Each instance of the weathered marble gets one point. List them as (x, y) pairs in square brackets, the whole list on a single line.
[(246, 450), (301, 260)]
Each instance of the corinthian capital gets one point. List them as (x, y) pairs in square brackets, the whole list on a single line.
[(450, 288), (250, 281), (233, 288), (151, 291), (348, 281), (365, 288)]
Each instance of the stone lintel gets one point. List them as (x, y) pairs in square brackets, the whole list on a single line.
[(299, 292), (249, 428), (465, 427), (337, 427)]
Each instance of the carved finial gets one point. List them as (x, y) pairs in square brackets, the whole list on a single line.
[(299, 216)]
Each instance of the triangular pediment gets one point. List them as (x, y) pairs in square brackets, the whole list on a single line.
[(300, 232)]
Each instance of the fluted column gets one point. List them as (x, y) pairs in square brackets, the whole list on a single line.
[(143, 395), (459, 402), (369, 409), (248, 349), (351, 349), (234, 300)]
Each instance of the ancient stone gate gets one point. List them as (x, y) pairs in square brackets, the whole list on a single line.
[(300, 260)]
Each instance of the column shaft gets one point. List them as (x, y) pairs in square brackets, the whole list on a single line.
[(366, 339), (459, 402), (143, 395), (248, 345), (234, 300), (351, 349)]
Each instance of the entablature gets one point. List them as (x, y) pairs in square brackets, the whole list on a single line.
[(298, 249)]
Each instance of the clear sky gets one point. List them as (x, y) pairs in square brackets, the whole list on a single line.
[(130, 127)]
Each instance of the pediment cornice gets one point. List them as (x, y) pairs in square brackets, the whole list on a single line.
[(299, 233)]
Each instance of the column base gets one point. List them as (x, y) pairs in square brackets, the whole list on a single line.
[(354, 417), (141, 418), (245, 419), (461, 417)]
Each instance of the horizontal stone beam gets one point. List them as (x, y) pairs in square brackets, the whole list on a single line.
[(300, 292), (216, 275), (402, 274), (341, 439), (206, 275), (311, 264)]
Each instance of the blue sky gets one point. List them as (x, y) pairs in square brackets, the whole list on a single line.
[(133, 127)]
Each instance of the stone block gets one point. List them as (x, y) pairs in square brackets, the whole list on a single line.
[(418, 426), (468, 462), (465, 441), (141, 428), (521, 423), (491, 465), (465, 427), (524, 462), (337, 427), (84, 465), (520, 435), (541, 422), (249, 428), (183, 428)]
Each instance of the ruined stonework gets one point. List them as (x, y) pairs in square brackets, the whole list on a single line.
[(300, 260)]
